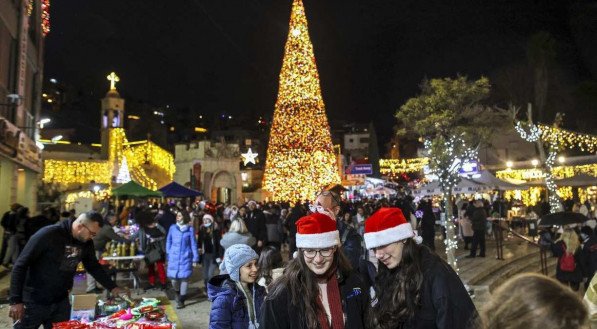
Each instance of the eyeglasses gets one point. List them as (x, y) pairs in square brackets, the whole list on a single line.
[(311, 253), (316, 208), (93, 234)]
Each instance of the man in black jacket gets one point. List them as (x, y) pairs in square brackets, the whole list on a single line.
[(255, 222), (479, 221), (43, 274)]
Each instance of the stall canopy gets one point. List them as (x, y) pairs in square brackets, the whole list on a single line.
[(175, 190), (134, 189), (578, 181), (464, 186), (488, 179)]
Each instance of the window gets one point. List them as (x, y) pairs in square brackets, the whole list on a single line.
[(364, 140)]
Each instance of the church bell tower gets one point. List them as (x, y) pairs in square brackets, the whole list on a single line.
[(112, 115)]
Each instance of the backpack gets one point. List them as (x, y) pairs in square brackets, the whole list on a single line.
[(567, 262)]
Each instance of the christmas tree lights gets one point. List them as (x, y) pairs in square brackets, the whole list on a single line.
[(300, 158)]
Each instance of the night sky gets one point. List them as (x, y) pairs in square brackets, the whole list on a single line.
[(225, 56)]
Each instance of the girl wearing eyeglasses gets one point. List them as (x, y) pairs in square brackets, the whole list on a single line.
[(318, 289), (415, 288)]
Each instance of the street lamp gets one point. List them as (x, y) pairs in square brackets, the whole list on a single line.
[(534, 162), (56, 138), (509, 164), (561, 159), (43, 122)]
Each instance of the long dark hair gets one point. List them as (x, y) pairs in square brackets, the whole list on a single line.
[(269, 259), (398, 289), (302, 285)]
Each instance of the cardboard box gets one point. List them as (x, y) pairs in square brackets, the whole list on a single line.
[(83, 307)]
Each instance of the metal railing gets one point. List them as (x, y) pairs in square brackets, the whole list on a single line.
[(498, 234)]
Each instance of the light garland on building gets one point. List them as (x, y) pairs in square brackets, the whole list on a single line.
[(45, 15), (77, 172), (395, 167), (300, 157)]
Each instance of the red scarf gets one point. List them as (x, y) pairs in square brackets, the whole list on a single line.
[(335, 302)]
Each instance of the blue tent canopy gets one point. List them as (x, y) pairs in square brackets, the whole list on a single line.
[(175, 190)]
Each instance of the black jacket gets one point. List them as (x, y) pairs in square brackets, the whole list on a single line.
[(44, 272), (574, 276), (479, 219), (352, 243), (445, 303), (255, 222), (279, 313), (588, 257)]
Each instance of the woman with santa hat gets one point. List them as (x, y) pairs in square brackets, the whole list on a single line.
[(318, 289), (415, 288)]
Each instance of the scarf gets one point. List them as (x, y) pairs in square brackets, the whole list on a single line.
[(253, 324), (335, 302)]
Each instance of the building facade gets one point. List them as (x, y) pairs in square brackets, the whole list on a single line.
[(23, 25), (212, 168)]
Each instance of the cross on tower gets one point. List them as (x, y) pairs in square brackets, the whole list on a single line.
[(113, 79)]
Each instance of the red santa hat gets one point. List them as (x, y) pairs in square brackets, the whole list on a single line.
[(317, 231), (386, 226)]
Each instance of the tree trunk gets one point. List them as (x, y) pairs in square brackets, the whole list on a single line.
[(451, 242)]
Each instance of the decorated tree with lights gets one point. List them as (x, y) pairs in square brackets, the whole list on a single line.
[(552, 139), (449, 116), (124, 175), (300, 158)]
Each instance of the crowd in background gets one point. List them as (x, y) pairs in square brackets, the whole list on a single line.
[(176, 237)]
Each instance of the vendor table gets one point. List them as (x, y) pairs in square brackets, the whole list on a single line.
[(131, 270)]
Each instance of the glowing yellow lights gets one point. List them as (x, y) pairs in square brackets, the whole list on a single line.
[(568, 139), (200, 130), (133, 117), (77, 172), (113, 78), (393, 167), (300, 156), (45, 15), (138, 154)]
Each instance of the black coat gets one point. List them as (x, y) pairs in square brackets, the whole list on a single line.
[(352, 243), (574, 276), (479, 219), (588, 257), (255, 222), (279, 313), (44, 272), (445, 303)]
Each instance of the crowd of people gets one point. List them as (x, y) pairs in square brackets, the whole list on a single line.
[(321, 264)]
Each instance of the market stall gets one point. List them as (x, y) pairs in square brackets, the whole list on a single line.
[(175, 190)]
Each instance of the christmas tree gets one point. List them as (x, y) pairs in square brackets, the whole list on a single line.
[(300, 157), (123, 172)]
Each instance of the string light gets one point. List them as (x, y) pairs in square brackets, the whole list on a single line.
[(395, 167), (566, 139), (77, 172), (138, 155), (45, 15), (300, 158)]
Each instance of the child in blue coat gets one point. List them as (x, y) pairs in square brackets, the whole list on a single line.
[(182, 253), (236, 297)]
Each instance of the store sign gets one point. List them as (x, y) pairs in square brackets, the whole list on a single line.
[(360, 169), (469, 168), (10, 136)]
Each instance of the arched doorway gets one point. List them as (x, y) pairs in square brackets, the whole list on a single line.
[(223, 187)]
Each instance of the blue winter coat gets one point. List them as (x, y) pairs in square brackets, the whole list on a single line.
[(229, 305), (181, 251)]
